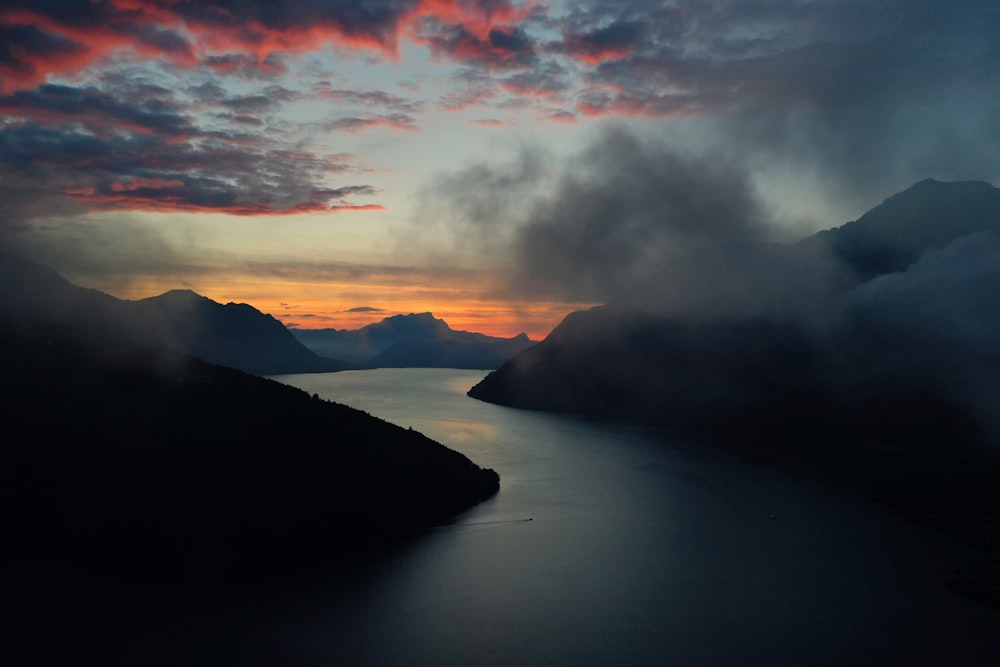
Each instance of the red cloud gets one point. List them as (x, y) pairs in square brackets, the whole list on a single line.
[(38, 40)]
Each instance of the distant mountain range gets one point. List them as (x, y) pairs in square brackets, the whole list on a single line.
[(870, 350), (412, 341), (235, 335)]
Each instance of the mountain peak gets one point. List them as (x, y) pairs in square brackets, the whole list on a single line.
[(928, 214), (178, 296)]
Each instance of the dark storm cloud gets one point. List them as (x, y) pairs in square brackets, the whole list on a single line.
[(609, 218), (872, 96), (620, 209), (18, 40), (943, 310), (607, 41)]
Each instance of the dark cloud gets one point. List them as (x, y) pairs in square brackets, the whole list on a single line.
[(944, 311), (268, 99), (246, 36), (364, 309), (613, 215), (614, 40), (871, 96), (147, 172), (24, 49), (501, 48), (97, 110)]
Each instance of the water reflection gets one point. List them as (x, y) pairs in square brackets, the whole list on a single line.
[(639, 550)]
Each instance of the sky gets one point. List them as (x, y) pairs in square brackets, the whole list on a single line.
[(497, 163)]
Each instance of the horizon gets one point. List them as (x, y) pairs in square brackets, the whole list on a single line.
[(500, 164)]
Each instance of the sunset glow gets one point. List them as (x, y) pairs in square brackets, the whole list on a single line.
[(494, 163)]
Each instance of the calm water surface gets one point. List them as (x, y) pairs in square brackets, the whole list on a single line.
[(612, 545)]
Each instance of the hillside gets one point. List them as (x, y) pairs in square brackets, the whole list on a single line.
[(867, 351), (135, 460), (738, 329)]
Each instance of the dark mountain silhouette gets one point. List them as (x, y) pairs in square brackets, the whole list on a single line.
[(412, 341), (868, 350), (131, 459), (809, 327), (133, 475), (235, 335), (895, 233)]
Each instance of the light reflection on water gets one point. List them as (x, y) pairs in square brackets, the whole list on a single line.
[(639, 550)]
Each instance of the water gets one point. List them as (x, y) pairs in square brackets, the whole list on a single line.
[(639, 550), (612, 545)]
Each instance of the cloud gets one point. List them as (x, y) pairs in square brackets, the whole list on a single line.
[(944, 311), (501, 48), (365, 309), (870, 97), (610, 218), (355, 124), (608, 42), (98, 111), (58, 37), (126, 143)]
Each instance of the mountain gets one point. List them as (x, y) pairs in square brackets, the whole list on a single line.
[(848, 314), (129, 459), (895, 233), (868, 351), (235, 335), (412, 341)]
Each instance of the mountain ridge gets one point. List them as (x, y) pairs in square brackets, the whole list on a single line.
[(413, 340), (147, 464), (873, 360), (235, 335)]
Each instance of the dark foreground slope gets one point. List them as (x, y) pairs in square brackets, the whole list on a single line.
[(139, 460), (136, 477), (122, 453), (417, 340)]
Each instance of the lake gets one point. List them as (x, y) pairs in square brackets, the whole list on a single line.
[(612, 544), (607, 544)]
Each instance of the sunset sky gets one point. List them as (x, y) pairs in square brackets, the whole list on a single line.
[(497, 163)]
